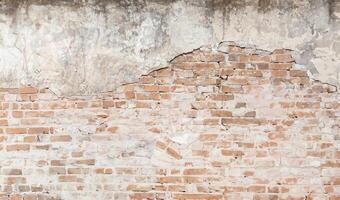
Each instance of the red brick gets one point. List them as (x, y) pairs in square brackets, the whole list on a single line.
[(3, 122), (86, 162), (298, 73), (232, 89), (197, 171), (257, 189), (199, 196), (112, 129), (226, 152), (282, 58), (12, 172), (16, 130), (280, 66), (108, 103), (259, 58), (18, 147), (221, 113), (222, 97), (15, 180), (279, 73), (39, 130), (205, 68), (68, 178), (28, 90), (173, 153), (61, 138)]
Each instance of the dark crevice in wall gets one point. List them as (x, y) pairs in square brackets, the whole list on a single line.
[(331, 8)]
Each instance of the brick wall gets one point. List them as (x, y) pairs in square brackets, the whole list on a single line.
[(243, 124)]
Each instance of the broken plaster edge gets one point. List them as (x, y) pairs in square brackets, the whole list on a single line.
[(311, 70)]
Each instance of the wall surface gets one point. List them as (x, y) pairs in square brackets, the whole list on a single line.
[(232, 123), (78, 47), (170, 99)]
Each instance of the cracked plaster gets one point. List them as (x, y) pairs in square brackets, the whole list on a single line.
[(85, 47)]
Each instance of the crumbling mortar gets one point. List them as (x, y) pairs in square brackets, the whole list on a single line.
[(214, 47)]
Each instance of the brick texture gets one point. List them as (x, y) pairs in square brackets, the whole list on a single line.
[(212, 125)]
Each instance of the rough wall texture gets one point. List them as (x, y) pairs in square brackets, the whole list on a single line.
[(92, 46), (238, 123)]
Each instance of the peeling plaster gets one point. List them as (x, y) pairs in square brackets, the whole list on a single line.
[(82, 47)]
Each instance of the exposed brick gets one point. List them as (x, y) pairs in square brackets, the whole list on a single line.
[(12, 172), (232, 89), (222, 97), (58, 162), (28, 90), (280, 66), (68, 179), (279, 73), (3, 122), (221, 113), (39, 130), (15, 180), (257, 189), (205, 68), (61, 138), (18, 147), (259, 58), (199, 196), (253, 127), (16, 130), (57, 170), (231, 153), (86, 162), (282, 58), (108, 104), (173, 153), (298, 73), (199, 171)]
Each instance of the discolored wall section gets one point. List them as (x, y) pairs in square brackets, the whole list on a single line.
[(86, 47)]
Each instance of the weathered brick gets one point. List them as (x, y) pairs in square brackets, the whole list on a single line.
[(57, 170), (61, 138), (298, 73), (232, 89), (205, 68), (28, 90), (195, 171), (3, 122), (39, 130), (58, 162), (257, 189), (259, 58), (199, 196), (108, 104), (86, 162), (280, 66), (18, 147), (16, 130), (221, 113), (68, 179), (173, 153), (282, 58), (279, 73), (202, 128), (233, 153), (15, 180), (12, 172)]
